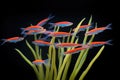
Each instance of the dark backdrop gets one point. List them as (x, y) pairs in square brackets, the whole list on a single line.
[(21, 14)]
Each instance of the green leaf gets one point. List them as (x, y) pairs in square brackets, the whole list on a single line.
[(91, 63), (32, 50)]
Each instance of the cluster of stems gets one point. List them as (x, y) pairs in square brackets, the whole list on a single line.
[(59, 64)]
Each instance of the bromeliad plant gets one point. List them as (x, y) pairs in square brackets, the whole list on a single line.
[(60, 51)]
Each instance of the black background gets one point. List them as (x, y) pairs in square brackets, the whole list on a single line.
[(21, 14)]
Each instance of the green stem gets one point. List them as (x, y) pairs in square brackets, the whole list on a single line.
[(32, 50), (49, 68), (60, 56), (40, 67), (77, 69), (91, 63), (68, 38), (47, 71), (29, 62), (85, 38), (62, 67), (54, 63), (82, 59), (69, 60), (72, 76), (68, 56), (40, 53), (53, 69), (66, 69), (24, 57), (41, 72), (36, 47)]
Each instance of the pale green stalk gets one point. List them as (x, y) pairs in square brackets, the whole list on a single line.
[(69, 61), (41, 72), (36, 47), (68, 38), (49, 70), (54, 63), (40, 67), (53, 60), (60, 57), (32, 50), (62, 67), (60, 54), (66, 69), (53, 69), (91, 63), (83, 58), (67, 56), (80, 61), (73, 75), (29, 62), (40, 53), (67, 65)]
